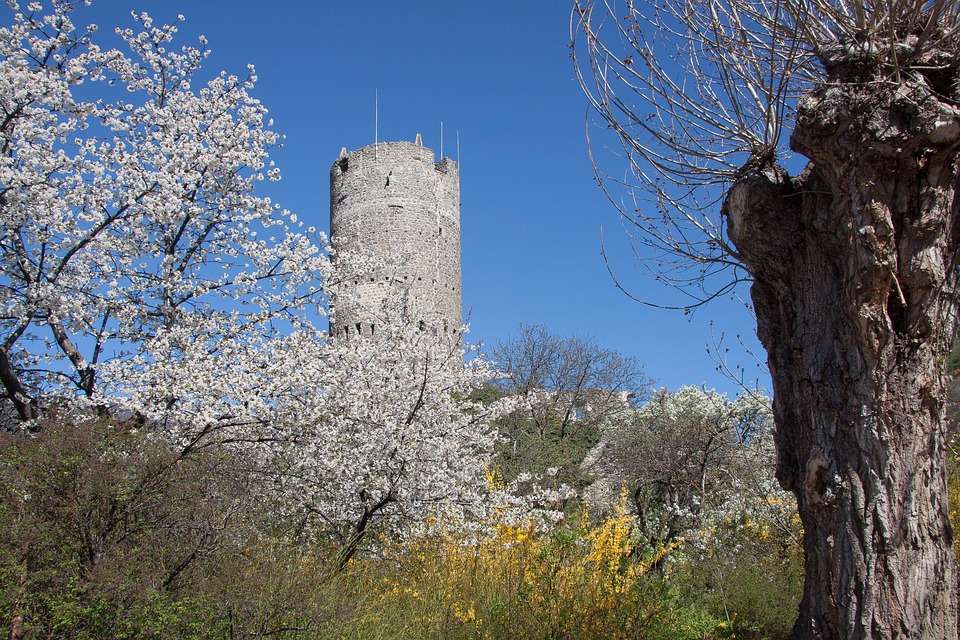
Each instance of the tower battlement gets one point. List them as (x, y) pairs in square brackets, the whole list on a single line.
[(393, 202)]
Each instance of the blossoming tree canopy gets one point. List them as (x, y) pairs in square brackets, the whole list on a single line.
[(128, 205), (142, 273)]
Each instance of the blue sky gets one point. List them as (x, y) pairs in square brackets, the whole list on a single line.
[(499, 72)]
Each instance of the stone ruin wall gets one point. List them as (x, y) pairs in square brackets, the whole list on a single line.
[(393, 201)]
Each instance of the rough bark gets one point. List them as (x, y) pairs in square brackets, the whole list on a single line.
[(854, 265)]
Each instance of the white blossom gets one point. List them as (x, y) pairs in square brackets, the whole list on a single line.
[(129, 217), (142, 273)]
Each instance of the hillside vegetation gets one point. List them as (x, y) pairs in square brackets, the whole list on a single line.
[(103, 535)]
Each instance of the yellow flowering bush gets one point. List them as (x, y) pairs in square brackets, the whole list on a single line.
[(587, 582)]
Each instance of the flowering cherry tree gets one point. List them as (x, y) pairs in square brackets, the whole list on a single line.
[(143, 275), (352, 435), (392, 442), (128, 206)]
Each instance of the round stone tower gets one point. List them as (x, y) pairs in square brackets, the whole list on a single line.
[(391, 202)]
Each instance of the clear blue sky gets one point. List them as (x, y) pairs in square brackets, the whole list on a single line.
[(499, 72)]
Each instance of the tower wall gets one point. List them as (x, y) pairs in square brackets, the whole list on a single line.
[(392, 201)]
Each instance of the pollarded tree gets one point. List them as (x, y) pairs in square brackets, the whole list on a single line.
[(129, 204), (852, 260)]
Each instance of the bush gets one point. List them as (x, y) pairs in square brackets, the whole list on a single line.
[(107, 533), (585, 583), (103, 529), (750, 574)]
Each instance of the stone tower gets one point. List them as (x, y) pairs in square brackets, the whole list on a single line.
[(393, 201)]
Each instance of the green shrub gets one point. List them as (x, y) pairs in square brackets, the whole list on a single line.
[(752, 578), (104, 531)]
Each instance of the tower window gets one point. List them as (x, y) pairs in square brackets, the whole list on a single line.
[(359, 329), (440, 232)]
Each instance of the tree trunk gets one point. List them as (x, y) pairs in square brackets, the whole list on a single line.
[(854, 266)]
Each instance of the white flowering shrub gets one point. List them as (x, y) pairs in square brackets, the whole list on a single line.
[(694, 462), (380, 431)]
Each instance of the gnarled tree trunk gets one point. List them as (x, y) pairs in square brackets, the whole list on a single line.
[(854, 265)]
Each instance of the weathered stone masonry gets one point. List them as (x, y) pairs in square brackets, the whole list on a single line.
[(392, 201)]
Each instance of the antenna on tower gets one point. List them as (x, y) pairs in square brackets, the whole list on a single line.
[(441, 140), (458, 148), (376, 122)]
